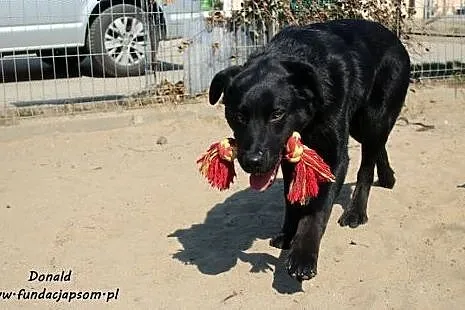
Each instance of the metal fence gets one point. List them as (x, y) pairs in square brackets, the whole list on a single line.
[(437, 39), (74, 51)]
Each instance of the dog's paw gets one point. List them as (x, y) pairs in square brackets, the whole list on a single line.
[(353, 218), (387, 181), (386, 178), (301, 265), (281, 241)]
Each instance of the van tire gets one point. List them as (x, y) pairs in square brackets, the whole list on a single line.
[(129, 57)]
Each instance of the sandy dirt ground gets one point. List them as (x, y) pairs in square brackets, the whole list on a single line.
[(133, 219)]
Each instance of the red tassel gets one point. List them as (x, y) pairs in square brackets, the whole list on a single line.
[(217, 164), (310, 169)]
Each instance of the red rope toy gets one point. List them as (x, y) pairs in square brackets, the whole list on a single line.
[(217, 166)]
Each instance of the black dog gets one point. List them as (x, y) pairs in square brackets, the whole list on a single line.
[(326, 81)]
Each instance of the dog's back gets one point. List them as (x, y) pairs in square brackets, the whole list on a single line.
[(364, 57), (317, 41)]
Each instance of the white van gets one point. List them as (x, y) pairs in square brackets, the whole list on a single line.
[(112, 32)]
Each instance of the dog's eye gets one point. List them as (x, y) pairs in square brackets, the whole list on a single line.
[(241, 118), (277, 115)]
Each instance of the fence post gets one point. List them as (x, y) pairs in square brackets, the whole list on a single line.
[(150, 51), (398, 17)]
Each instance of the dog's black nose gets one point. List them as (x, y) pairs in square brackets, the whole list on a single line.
[(253, 162)]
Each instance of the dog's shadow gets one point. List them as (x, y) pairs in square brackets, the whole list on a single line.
[(231, 227)]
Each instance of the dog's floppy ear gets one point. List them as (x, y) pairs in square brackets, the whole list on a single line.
[(305, 78), (220, 81)]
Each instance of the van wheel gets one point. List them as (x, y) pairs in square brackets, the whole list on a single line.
[(118, 41)]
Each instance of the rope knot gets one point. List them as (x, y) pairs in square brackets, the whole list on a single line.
[(294, 148), (227, 149)]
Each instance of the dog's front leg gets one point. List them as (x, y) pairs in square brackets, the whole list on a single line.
[(303, 255), (292, 213)]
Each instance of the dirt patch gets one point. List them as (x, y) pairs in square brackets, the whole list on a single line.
[(96, 194)]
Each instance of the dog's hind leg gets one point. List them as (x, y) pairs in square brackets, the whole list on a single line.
[(372, 133), (386, 177), (356, 213), (371, 126)]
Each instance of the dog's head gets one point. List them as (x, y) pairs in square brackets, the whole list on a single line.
[(265, 101)]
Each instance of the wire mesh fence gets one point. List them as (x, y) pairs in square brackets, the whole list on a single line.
[(83, 50), (437, 39), (55, 52)]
